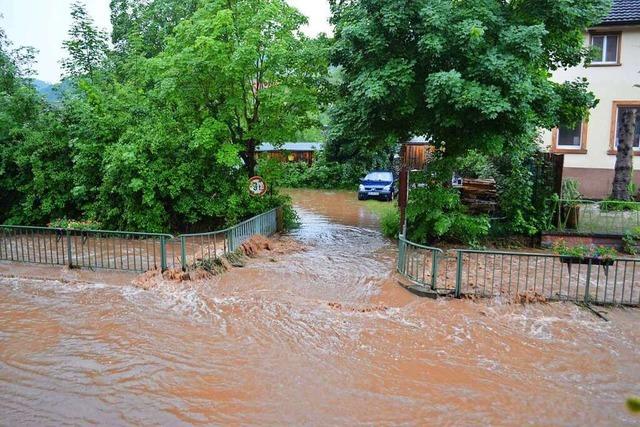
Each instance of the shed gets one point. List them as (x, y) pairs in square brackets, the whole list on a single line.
[(291, 151)]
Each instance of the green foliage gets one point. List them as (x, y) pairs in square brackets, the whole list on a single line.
[(619, 206), (584, 251), (524, 181), (631, 241), (633, 404), (322, 174), (35, 162), (436, 212), (473, 76), (245, 70), (87, 46), (570, 191), (390, 223), (74, 224), (470, 74), (158, 133)]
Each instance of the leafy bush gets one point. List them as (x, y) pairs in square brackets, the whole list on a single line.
[(322, 174), (75, 225), (570, 190), (584, 251), (619, 206), (631, 241), (390, 223), (524, 180), (243, 206), (436, 212)]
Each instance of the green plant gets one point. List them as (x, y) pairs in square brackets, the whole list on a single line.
[(619, 206), (436, 212), (75, 224), (390, 223), (584, 251), (571, 192), (631, 241)]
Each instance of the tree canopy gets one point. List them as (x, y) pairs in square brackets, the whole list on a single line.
[(472, 74), (158, 132)]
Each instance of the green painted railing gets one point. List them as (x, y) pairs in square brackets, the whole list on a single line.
[(528, 275), (196, 248), (95, 249), (605, 217), (419, 263), (124, 250)]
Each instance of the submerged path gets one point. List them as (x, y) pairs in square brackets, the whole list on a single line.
[(322, 336)]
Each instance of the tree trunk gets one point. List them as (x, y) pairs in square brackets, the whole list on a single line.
[(624, 160), (249, 157)]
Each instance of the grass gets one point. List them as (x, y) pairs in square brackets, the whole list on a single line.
[(380, 208)]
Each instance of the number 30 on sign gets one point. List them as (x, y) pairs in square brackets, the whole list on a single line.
[(257, 186)]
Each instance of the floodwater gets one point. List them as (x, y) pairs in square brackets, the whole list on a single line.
[(322, 337)]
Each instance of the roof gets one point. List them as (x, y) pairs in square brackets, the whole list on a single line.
[(291, 146), (623, 12), (418, 140)]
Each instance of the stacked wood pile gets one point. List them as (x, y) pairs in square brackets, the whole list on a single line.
[(480, 195)]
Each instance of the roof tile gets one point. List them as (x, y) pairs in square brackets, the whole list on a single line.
[(623, 12)]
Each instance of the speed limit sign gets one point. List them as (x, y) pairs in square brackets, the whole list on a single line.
[(257, 186)]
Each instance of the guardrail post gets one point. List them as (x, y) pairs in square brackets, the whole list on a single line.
[(434, 270), (401, 250), (459, 275), (163, 254), (280, 219), (587, 298), (69, 261), (183, 253)]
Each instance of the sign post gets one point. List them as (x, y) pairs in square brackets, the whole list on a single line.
[(403, 196)]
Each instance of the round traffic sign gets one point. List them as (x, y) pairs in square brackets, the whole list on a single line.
[(257, 186)]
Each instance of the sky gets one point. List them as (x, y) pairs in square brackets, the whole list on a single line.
[(43, 24)]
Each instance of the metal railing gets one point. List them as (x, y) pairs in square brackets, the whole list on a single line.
[(124, 250), (605, 217), (96, 249), (202, 247), (515, 274), (419, 263)]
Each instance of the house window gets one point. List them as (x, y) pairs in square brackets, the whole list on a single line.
[(606, 48), (636, 138), (570, 137)]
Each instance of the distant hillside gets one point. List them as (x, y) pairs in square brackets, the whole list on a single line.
[(47, 90), (51, 92)]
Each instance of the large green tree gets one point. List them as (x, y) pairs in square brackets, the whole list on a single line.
[(246, 72), (86, 45), (35, 165), (469, 75)]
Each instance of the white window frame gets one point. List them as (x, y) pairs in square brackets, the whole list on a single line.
[(569, 147), (605, 41), (615, 133)]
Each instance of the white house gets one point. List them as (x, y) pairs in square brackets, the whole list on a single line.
[(590, 148)]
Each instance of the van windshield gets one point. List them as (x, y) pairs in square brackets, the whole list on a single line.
[(379, 176)]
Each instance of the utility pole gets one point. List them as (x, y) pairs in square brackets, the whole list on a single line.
[(403, 196)]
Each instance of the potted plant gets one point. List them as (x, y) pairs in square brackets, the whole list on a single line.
[(582, 254), (570, 205)]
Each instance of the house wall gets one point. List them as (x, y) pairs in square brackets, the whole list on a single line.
[(594, 165)]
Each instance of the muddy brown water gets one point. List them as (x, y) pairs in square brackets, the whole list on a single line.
[(323, 337)]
